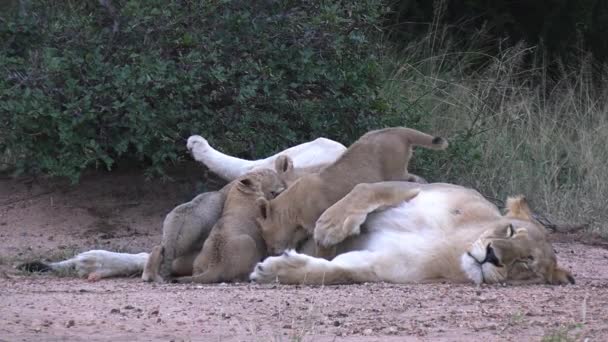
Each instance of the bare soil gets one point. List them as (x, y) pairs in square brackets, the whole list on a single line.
[(123, 212)]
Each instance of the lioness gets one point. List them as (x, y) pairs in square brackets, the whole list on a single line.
[(235, 244), (445, 232), (380, 155)]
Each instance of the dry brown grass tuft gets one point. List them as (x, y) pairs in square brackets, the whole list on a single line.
[(513, 129)]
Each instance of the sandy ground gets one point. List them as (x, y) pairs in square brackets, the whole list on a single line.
[(123, 212)]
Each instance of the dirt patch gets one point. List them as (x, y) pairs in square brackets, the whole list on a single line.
[(123, 212)]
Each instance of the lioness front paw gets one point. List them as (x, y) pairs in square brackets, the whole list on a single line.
[(272, 269), (197, 142)]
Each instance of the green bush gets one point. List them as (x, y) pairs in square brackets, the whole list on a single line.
[(252, 77)]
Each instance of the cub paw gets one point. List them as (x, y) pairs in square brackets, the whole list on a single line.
[(148, 278), (333, 229)]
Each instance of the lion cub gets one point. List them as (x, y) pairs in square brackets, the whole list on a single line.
[(185, 229), (235, 244), (381, 155)]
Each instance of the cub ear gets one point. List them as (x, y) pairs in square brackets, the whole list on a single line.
[(248, 185), (263, 206), (517, 207), (283, 164), (560, 276)]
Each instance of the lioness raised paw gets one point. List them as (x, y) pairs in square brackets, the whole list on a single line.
[(197, 144), (275, 269)]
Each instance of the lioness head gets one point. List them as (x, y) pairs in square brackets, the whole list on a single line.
[(514, 249)]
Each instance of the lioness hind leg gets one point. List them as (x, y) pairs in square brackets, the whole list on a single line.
[(100, 274), (346, 216)]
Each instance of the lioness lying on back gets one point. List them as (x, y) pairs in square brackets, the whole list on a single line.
[(377, 156), (421, 233), (235, 244)]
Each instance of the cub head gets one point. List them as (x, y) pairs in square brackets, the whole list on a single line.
[(261, 182), (289, 174), (279, 228), (515, 248)]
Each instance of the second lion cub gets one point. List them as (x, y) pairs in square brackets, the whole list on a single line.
[(378, 156), (235, 243)]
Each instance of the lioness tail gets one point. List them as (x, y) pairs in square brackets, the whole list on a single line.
[(40, 266)]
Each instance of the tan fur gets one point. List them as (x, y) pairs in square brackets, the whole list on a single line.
[(184, 231), (345, 218), (289, 174), (444, 232), (517, 207), (235, 244), (381, 155)]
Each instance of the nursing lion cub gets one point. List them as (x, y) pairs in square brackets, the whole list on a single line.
[(235, 244), (185, 229), (444, 233), (377, 156)]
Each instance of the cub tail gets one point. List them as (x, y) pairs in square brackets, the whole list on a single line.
[(418, 138)]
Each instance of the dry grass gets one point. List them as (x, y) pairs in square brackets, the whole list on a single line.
[(514, 129)]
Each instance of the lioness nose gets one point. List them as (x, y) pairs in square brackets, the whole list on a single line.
[(491, 257)]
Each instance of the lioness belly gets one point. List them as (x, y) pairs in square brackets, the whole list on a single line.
[(429, 210)]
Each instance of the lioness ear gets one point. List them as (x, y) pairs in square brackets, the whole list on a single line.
[(264, 207), (560, 276), (517, 207), (283, 164)]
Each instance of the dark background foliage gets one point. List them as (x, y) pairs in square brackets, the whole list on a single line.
[(82, 86), (94, 83), (562, 28)]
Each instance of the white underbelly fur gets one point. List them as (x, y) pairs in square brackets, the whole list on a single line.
[(414, 221), (397, 239)]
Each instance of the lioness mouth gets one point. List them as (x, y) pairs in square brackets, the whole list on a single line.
[(490, 257)]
